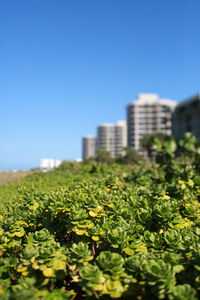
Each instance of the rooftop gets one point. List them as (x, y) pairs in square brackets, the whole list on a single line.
[(89, 137), (190, 100), (146, 99), (107, 125)]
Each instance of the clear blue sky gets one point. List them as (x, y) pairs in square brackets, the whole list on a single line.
[(68, 65)]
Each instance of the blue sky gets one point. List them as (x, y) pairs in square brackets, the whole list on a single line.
[(67, 66)]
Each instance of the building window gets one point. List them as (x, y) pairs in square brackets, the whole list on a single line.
[(165, 108), (195, 103), (181, 109)]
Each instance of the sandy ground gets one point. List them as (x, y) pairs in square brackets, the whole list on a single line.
[(11, 177)]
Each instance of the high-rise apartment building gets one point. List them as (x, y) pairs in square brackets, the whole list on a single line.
[(113, 137), (148, 114), (106, 137), (89, 146), (186, 117), (120, 137)]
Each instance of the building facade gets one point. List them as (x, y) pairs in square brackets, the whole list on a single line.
[(112, 137), (89, 146), (186, 117), (106, 137), (47, 164), (148, 114), (120, 138)]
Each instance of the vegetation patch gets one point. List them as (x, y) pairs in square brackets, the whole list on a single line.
[(99, 231)]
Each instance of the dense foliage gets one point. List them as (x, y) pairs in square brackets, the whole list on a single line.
[(111, 232)]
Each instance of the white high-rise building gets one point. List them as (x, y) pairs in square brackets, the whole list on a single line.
[(120, 138), (113, 137), (106, 137), (148, 114), (89, 146)]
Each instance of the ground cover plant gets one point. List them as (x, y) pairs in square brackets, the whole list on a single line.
[(111, 232)]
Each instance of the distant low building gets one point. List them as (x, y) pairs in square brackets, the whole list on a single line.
[(186, 117), (47, 164), (78, 160)]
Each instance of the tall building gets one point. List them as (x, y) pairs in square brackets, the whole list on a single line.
[(120, 138), (148, 114), (186, 117), (113, 137), (89, 146), (106, 137)]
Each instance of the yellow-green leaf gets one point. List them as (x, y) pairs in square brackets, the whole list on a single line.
[(21, 268), (48, 272), (25, 273), (95, 238), (59, 265), (20, 233), (79, 232), (42, 293), (92, 214), (129, 251)]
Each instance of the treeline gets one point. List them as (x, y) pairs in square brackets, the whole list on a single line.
[(147, 150)]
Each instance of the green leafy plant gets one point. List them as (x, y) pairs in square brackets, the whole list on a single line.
[(105, 231)]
